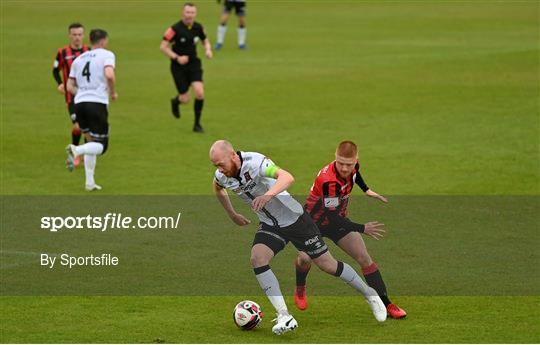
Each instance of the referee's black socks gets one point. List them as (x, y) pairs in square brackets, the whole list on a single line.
[(197, 107)]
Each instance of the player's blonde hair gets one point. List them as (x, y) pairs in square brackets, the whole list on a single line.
[(347, 149)]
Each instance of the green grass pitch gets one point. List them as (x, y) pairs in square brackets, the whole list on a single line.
[(441, 96)]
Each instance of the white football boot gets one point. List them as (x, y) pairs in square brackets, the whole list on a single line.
[(70, 161), (377, 306), (284, 323), (92, 187)]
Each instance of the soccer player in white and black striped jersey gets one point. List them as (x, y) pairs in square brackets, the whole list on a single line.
[(92, 80), (263, 185)]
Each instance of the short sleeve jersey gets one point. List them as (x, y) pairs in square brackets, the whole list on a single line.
[(252, 181), (89, 72), (330, 193), (184, 38)]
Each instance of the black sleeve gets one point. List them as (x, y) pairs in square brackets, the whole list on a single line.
[(202, 34), (56, 75), (360, 181), (56, 70), (343, 222)]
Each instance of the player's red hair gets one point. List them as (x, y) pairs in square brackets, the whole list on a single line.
[(347, 149)]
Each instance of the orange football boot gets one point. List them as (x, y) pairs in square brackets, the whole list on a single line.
[(393, 310), (300, 297)]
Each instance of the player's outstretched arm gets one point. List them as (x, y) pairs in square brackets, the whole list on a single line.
[(362, 184), (374, 229), (284, 181), (223, 197), (373, 194)]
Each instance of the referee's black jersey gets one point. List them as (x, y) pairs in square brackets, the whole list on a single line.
[(184, 38)]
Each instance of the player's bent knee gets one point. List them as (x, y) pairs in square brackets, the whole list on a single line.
[(303, 259), (199, 92), (327, 268), (364, 259), (184, 98), (326, 263), (259, 260)]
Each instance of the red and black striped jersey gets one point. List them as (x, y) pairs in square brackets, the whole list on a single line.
[(64, 58), (330, 193)]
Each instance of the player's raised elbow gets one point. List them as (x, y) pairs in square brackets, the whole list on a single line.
[(286, 176)]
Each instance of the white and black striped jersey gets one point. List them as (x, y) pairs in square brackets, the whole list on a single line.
[(253, 181)]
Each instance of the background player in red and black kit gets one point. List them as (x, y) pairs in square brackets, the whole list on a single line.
[(327, 205), (180, 45), (62, 66)]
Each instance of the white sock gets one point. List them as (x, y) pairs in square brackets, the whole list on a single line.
[(270, 285), (242, 36), (89, 168), (352, 278), (91, 148), (221, 30)]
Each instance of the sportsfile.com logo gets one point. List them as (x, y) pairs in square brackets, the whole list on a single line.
[(110, 221)]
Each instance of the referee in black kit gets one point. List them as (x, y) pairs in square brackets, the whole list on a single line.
[(180, 45)]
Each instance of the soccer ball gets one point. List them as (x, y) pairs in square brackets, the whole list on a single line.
[(247, 315)]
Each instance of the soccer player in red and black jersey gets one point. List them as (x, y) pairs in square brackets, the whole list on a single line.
[(327, 205), (62, 66)]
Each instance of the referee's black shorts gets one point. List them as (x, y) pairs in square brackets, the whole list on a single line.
[(93, 119), (184, 75)]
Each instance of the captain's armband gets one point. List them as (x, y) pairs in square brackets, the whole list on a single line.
[(271, 171)]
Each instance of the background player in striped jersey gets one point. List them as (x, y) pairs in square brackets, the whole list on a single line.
[(62, 65), (327, 205), (239, 7), (259, 182)]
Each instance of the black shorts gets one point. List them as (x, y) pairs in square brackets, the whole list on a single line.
[(304, 234), (239, 7), (71, 112), (184, 75), (334, 232), (93, 119)]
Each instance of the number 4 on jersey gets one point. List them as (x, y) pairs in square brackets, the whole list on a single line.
[(86, 71)]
